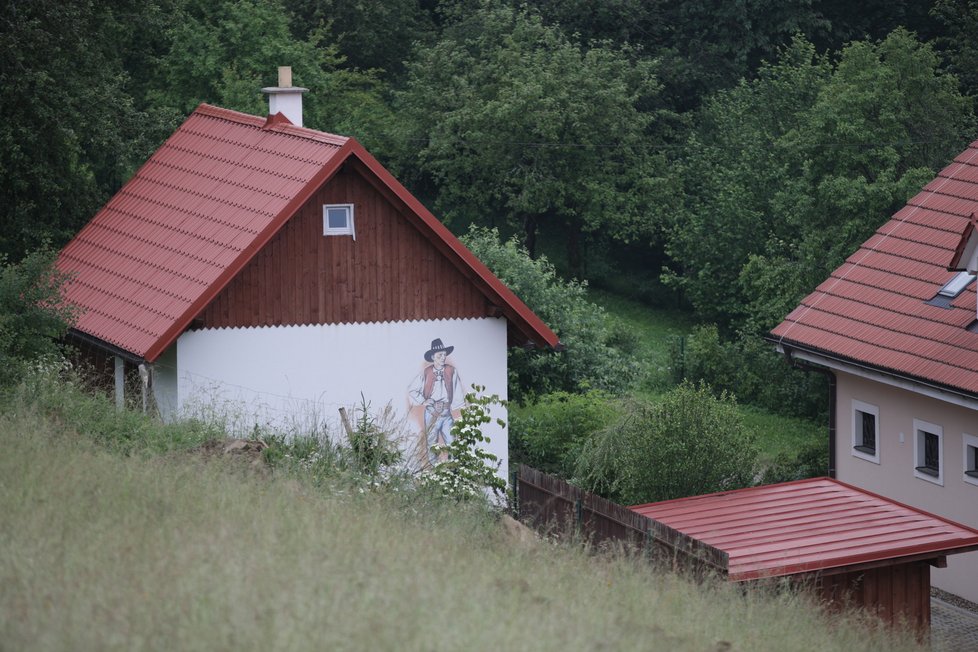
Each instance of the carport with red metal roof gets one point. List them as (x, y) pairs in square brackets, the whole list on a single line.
[(855, 547)]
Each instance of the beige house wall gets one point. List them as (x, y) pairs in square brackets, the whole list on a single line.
[(894, 477)]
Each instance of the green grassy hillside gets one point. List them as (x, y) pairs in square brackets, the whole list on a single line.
[(140, 550)]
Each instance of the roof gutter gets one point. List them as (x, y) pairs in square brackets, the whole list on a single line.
[(883, 375), (111, 349)]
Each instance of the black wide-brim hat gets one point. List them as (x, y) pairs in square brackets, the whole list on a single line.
[(437, 346)]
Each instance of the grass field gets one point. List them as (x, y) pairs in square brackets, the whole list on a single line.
[(105, 551)]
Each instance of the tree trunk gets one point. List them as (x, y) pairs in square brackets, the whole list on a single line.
[(574, 257), (530, 234)]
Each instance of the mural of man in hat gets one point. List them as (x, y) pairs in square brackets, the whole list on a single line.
[(439, 389)]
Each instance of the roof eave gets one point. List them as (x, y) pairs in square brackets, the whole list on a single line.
[(535, 332), (789, 346), (108, 347)]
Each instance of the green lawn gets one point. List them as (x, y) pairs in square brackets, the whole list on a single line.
[(654, 331), (779, 434)]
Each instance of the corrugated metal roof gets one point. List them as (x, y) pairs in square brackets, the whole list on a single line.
[(809, 525), (872, 309), (201, 207)]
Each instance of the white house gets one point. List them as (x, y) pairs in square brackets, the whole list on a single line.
[(272, 274), (895, 328)]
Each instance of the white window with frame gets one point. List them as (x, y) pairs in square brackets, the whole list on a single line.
[(970, 458), (866, 431), (928, 451), (338, 220)]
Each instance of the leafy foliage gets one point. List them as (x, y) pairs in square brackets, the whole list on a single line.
[(549, 433), (225, 52), (469, 469), (751, 370), (33, 313), (788, 173), (510, 119), (690, 442), (812, 461), (589, 360), (71, 131)]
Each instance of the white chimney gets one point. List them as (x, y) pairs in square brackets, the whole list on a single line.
[(286, 98)]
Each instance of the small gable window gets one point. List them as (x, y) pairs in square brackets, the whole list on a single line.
[(865, 431), (338, 220), (971, 459), (928, 452)]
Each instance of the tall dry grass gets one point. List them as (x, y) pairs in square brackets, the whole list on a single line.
[(104, 552)]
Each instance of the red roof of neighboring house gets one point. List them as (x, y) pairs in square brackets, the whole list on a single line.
[(809, 525), (871, 311), (202, 206)]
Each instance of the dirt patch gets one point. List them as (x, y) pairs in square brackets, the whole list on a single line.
[(246, 452)]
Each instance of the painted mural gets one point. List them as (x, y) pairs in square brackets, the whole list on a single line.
[(438, 389), (294, 379)]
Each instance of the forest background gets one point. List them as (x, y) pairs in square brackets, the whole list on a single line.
[(719, 158)]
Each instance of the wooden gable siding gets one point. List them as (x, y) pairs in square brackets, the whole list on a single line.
[(389, 273), (897, 594)]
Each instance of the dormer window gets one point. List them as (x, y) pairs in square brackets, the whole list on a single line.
[(956, 285), (338, 220), (950, 290)]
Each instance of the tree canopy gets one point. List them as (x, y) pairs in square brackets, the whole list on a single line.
[(737, 151), (787, 173), (517, 125)]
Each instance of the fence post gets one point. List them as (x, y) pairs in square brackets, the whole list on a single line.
[(515, 484)]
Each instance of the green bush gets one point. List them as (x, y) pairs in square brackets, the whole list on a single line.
[(749, 368), (33, 313), (690, 442), (549, 433), (812, 461), (591, 361)]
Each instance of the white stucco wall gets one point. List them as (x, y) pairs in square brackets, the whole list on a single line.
[(894, 476), (294, 379), (165, 384)]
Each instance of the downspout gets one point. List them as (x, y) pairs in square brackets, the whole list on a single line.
[(805, 366)]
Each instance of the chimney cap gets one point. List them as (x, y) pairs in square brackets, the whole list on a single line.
[(284, 83)]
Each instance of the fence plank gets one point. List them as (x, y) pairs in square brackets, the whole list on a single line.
[(558, 507)]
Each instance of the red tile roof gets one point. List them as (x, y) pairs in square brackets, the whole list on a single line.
[(809, 525), (201, 207), (871, 311)]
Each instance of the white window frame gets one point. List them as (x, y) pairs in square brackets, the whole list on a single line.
[(970, 442), (919, 428), (346, 230), (859, 407)]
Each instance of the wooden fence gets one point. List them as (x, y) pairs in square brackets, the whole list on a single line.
[(555, 507)]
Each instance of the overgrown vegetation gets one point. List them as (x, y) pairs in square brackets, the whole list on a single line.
[(33, 313), (591, 360), (469, 471), (100, 550), (689, 442)]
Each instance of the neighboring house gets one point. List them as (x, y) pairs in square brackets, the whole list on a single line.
[(266, 274), (895, 328)]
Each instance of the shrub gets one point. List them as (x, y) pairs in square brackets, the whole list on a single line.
[(749, 368), (590, 361), (33, 313), (690, 442), (549, 433), (469, 470), (812, 461)]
